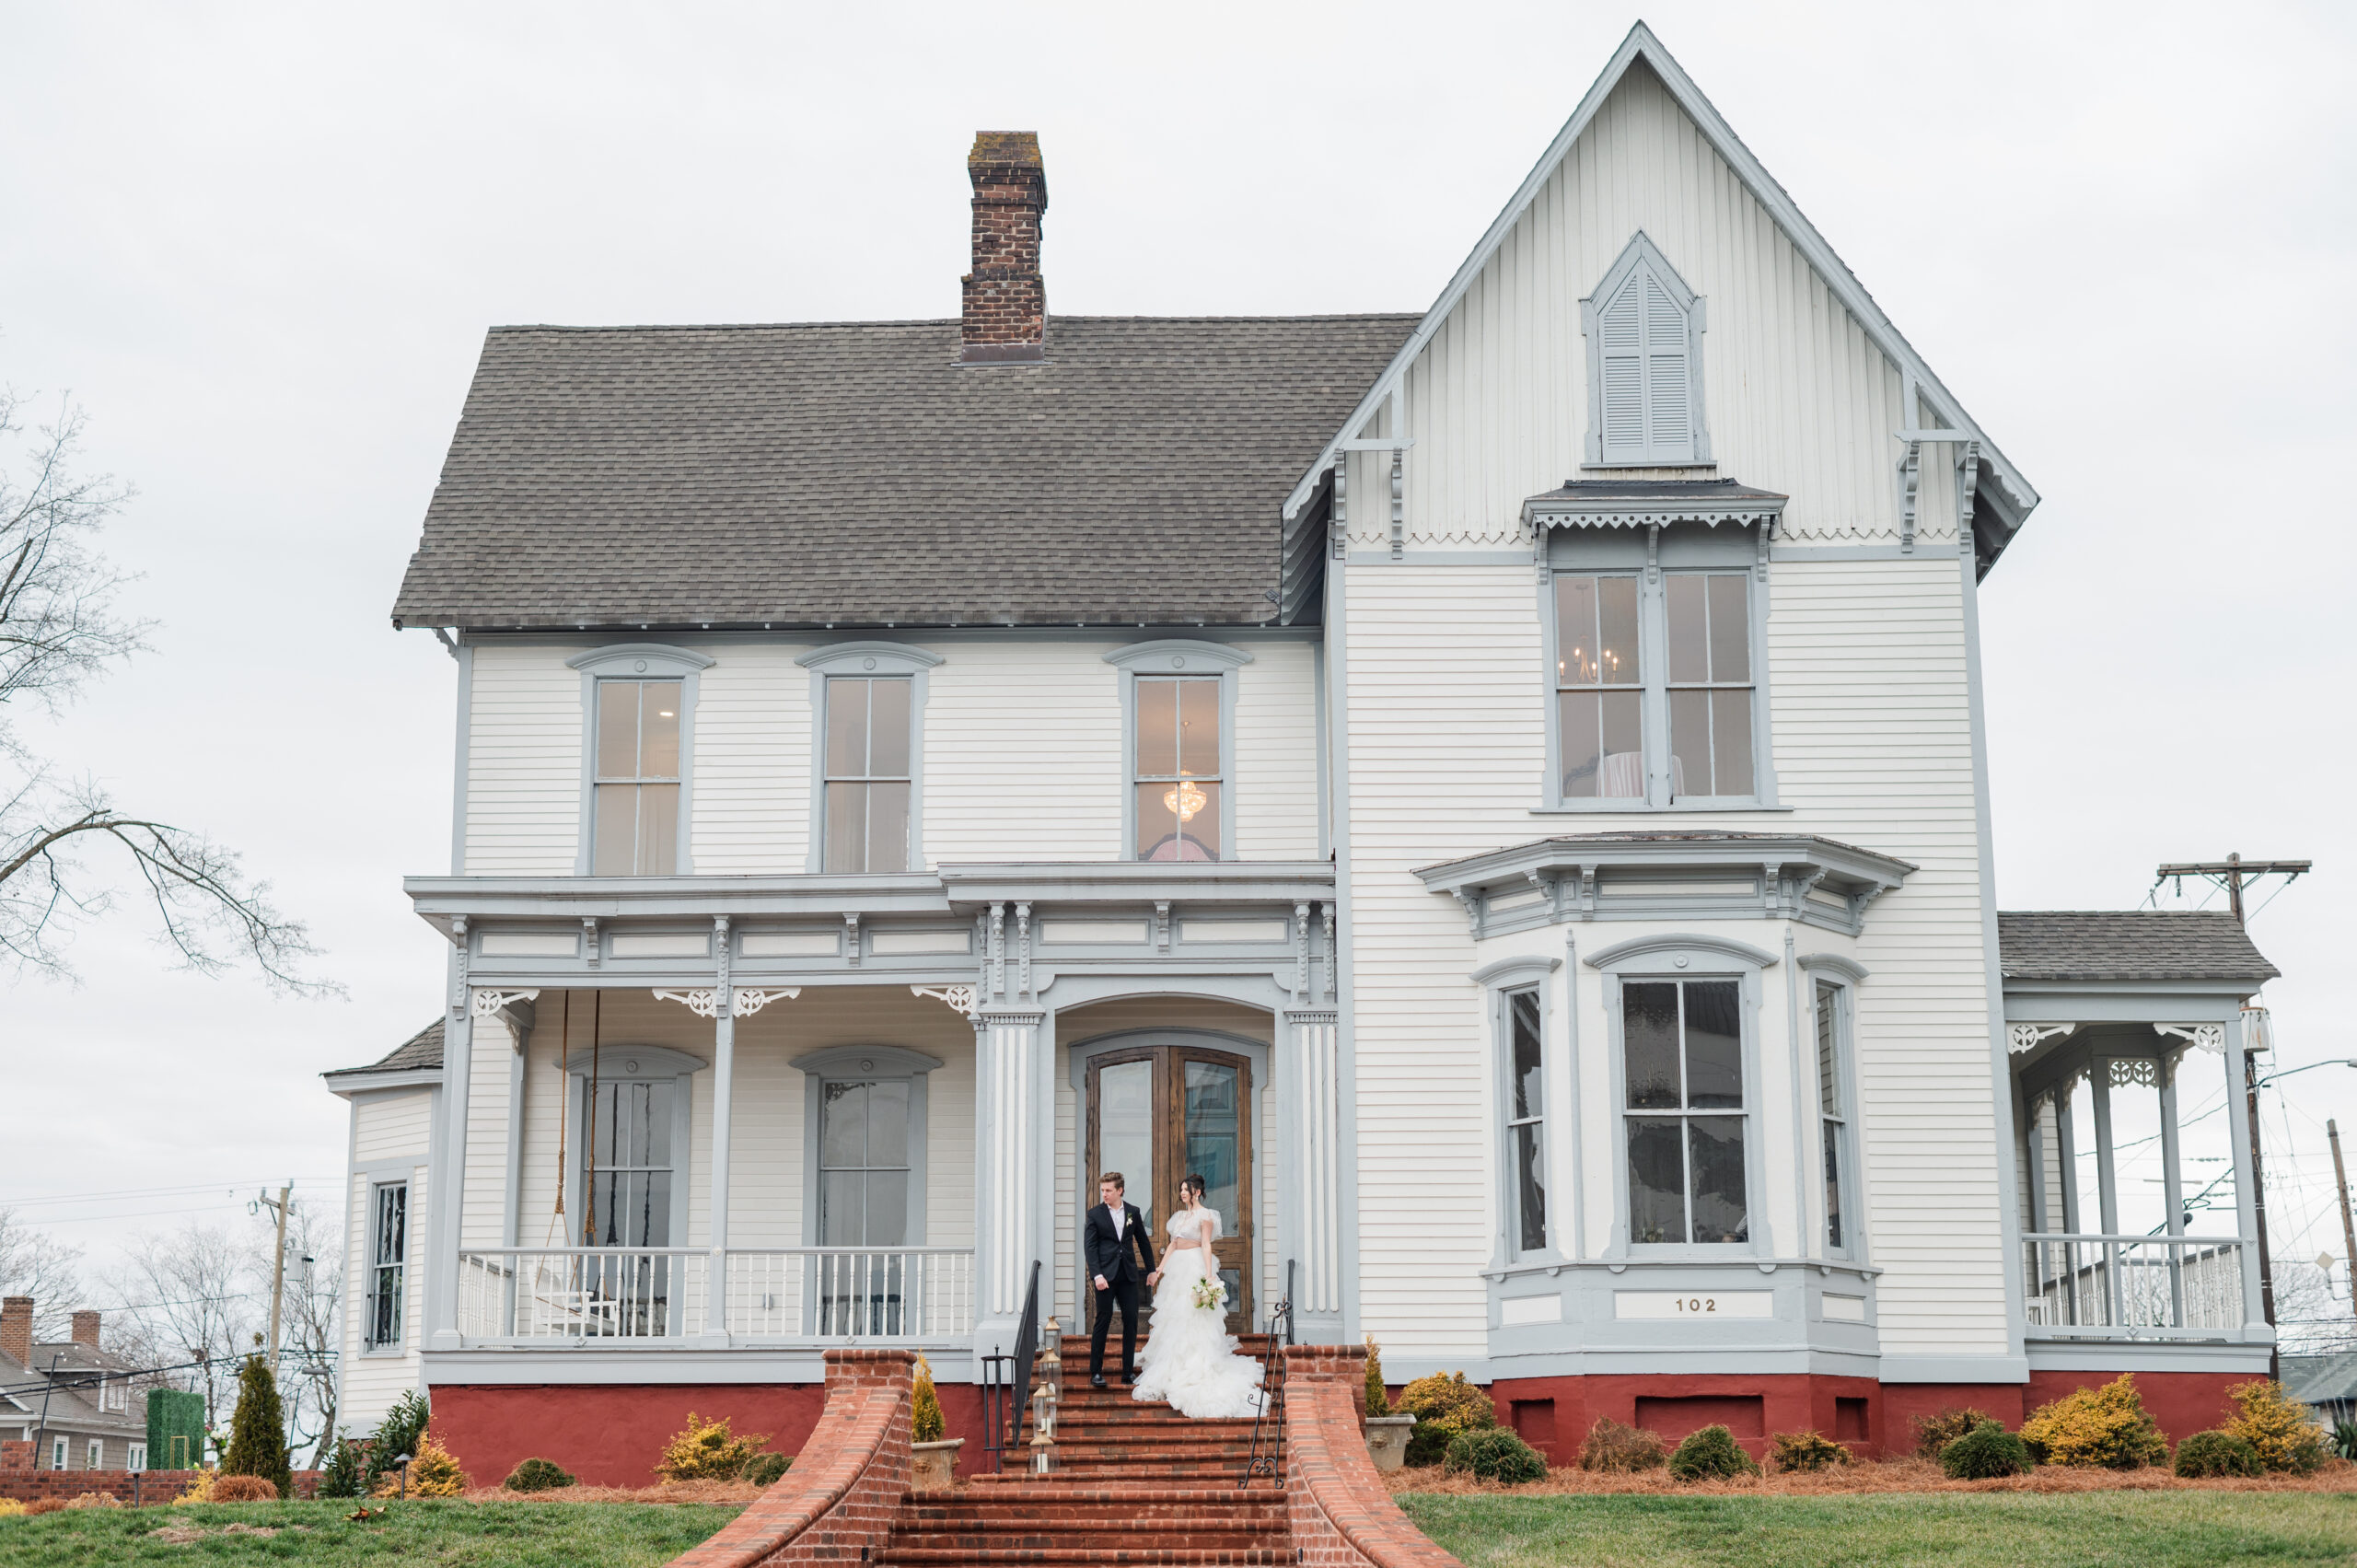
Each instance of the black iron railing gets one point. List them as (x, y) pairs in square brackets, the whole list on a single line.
[(1006, 1380), (1271, 1464)]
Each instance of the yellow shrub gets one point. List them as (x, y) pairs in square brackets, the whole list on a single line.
[(2285, 1430), (925, 1422), (706, 1451), (10, 1507), (199, 1488), (434, 1472), (2104, 1426)]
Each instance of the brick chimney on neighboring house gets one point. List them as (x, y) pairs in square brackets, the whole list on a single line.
[(86, 1327), (1005, 298), (17, 1329)]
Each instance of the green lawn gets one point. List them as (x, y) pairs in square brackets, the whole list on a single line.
[(448, 1535), (2146, 1530)]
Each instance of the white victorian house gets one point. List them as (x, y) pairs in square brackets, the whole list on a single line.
[(1501, 791)]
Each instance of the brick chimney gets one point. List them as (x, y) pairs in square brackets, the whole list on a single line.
[(17, 1329), (86, 1327), (1005, 298)]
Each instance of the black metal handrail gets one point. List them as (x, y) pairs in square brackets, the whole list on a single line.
[(1006, 1379), (1271, 1464)]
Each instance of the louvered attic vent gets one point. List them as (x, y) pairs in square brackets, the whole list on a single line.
[(1645, 356)]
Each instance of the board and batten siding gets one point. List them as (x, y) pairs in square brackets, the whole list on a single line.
[(1871, 731), (1797, 399), (524, 758), (386, 1128)]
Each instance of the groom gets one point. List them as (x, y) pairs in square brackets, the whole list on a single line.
[(1116, 1236)]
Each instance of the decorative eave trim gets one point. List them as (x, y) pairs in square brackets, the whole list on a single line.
[(1529, 860), (872, 657), (1506, 971), (886, 1060), (2015, 498), (362, 1080), (1567, 512), (1623, 953), (643, 658), (1177, 654), (1136, 882), (652, 1062), (1834, 963)]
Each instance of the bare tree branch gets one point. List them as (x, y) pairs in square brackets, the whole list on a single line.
[(197, 1288), (35, 1263)]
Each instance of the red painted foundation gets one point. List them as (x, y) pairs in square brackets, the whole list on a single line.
[(613, 1434)]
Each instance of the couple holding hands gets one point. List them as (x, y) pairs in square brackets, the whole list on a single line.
[(1190, 1358)]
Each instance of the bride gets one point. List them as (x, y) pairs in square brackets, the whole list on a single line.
[(1190, 1359)]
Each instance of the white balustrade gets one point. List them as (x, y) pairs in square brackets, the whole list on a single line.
[(583, 1293), (2133, 1286), (810, 1295), (844, 1294)]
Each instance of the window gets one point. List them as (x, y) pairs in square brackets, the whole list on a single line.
[(1616, 701), (57, 1453), (94, 1455), (1644, 351), (1683, 1043), (113, 1393), (388, 1264), (864, 1186), (1831, 1034), (627, 1159), (1526, 1120), (637, 789), (1177, 773), (135, 1456), (867, 779)]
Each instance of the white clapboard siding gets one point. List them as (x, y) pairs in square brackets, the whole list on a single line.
[(1796, 398), (386, 1126), (1275, 771), (1023, 753), (524, 755), (765, 1137), (372, 1382), (752, 770), (485, 1199)]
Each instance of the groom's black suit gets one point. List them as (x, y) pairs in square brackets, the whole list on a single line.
[(1110, 1259)]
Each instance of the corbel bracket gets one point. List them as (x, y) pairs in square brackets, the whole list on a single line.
[(2025, 1036), (2211, 1037), (963, 999)]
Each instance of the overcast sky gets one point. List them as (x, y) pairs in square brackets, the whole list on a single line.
[(261, 245)]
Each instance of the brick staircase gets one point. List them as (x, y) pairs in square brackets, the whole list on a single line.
[(1135, 1484)]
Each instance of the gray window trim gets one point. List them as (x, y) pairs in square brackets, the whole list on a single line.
[(1839, 977), (1505, 980), (1180, 656), (1634, 556), (638, 661), (1677, 956), (632, 1064), (867, 659), (1641, 251), (867, 1064), (399, 1345)]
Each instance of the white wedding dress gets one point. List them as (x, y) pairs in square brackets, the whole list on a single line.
[(1189, 1358)]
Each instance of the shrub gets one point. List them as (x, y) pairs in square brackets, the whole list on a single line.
[(2209, 1453), (1987, 1450), (199, 1488), (925, 1422), (244, 1489), (2283, 1431), (2104, 1426), (1936, 1432), (434, 1472), (1805, 1451), (100, 1500), (1611, 1447), (397, 1437), (1493, 1453), (10, 1507), (766, 1468), (341, 1477), (40, 1505), (2344, 1439), (1712, 1454), (706, 1450), (1444, 1405), (258, 1431), (1378, 1399), (537, 1475)]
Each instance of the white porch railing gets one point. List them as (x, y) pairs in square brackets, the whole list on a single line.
[(2133, 1286), (824, 1295)]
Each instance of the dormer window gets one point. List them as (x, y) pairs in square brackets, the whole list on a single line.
[(1645, 366)]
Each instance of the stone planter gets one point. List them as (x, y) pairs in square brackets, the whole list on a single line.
[(936, 1465), (1387, 1439)]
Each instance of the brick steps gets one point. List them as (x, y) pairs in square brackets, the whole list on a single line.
[(1265, 1556)]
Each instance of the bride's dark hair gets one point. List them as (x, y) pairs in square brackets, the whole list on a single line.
[(1193, 1183)]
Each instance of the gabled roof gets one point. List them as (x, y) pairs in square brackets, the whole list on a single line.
[(855, 474), (2012, 497), (2129, 944)]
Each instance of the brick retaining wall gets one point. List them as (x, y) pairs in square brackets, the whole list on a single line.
[(1340, 1512)]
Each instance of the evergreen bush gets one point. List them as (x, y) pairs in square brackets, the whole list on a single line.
[(1444, 1405), (258, 1431), (2344, 1439), (706, 1450), (1712, 1454), (2104, 1426), (434, 1472), (2207, 1454), (2281, 1431), (1986, 1451), (765, 1469), (398, 1436), (1611, 1446), (1936, 1432), (1805, 1451), (1378, 1399), (538, 1475), (1493, 1453), (343, 1475), (925, 1422)]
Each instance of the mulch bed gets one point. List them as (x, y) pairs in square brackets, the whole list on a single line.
[(1872, 1475), (672, 1492)]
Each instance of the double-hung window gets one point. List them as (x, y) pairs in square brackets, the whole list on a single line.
[(636, 789), (1599, 687), (388, 1264), (868, 778), (1682, 1042), (1526, 1120), (94, 1455), (1178, 771), (1832, 1033), (1709, 615), (864, 1183), (135, 1456)]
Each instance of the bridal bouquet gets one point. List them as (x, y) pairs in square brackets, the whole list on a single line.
[(1210, 1295)]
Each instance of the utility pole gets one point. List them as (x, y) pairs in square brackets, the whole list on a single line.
[(2348, 1225), (278, 1267)]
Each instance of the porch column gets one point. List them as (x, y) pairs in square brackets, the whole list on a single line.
[(2233, 1037), (1015, 1157), (1314, 1126), (447, 1188), (724, 1074)]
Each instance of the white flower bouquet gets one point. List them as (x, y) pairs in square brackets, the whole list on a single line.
[(1210, 1295)]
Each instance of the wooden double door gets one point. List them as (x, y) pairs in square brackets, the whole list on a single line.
[(1155, 1114)]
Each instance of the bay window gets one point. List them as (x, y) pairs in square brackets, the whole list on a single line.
[(1526, 1120), (1682, 1059)]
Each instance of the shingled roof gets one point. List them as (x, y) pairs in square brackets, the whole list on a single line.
[(421, 1051), (855, 474), (2128, 945)]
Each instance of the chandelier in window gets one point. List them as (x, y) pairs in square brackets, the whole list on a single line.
[(1185, 799)]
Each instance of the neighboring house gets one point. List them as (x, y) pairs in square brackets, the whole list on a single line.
[(81, 1406), (2327, 1383), (1502, 792)]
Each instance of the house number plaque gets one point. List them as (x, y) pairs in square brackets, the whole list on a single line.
[(1694, 1306)]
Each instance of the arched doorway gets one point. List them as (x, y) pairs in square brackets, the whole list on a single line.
[(1156, 1110)]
